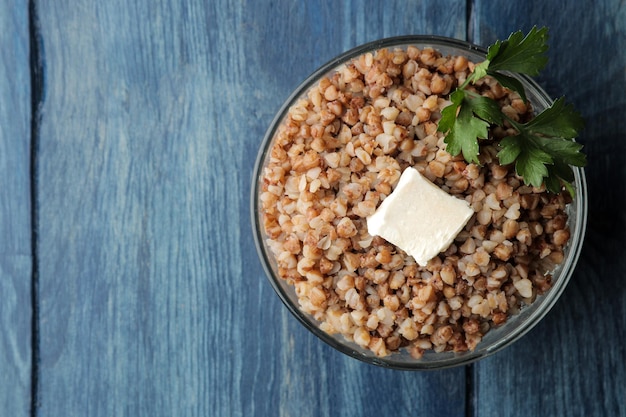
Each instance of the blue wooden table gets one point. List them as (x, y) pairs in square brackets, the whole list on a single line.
[(129, 281)]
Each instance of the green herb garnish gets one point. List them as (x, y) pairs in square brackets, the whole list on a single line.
[(543, 150)]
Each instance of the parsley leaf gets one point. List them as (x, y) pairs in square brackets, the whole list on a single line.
[(531, 160), (542, 150), (559, 120), (462, 137), (448, 114), (520, 54), (467, 119)]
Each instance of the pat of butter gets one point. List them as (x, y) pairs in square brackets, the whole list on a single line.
[(419, 217)]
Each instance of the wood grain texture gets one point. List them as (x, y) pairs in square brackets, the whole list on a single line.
[(152, 300), (15, 214), (573, 362)]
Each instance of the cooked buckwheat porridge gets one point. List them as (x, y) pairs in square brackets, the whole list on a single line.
[(341, 150)]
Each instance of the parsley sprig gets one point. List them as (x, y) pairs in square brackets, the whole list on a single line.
[(543, 149)]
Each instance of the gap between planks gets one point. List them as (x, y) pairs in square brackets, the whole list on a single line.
[(37, 89)]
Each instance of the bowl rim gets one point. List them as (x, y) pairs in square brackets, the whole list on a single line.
[(566, 268)]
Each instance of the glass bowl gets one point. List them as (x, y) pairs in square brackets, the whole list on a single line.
[(496, 338)]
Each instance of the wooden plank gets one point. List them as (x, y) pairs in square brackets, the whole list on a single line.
[(573, 362), (15, 215), (152, 299)]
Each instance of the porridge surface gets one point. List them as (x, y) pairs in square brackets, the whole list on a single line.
[(341, 150)]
